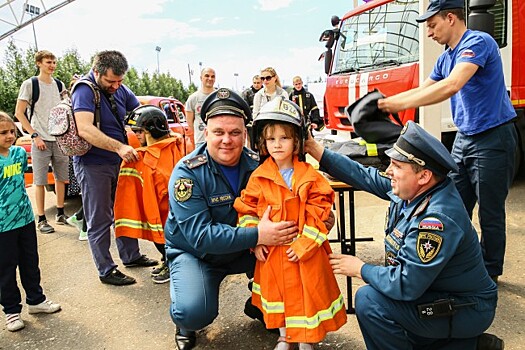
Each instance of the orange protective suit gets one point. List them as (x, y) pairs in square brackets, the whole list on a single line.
[(141, 200), (302, 296)]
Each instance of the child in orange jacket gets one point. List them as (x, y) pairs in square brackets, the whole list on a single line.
[(294, 285)]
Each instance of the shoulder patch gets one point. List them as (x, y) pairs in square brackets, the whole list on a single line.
[(428, 246), (431, 223), (383, 174), (196, 161), (183, 189), (422, 206), (253, 155)]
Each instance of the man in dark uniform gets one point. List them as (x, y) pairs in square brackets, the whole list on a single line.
[(306, 101), (247, 95), (434, 291), (203, 242)]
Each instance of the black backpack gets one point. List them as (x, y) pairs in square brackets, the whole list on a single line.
[(35, 93)]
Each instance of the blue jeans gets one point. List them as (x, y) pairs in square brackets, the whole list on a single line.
[(18, 248), (486, 170), (98, 184)]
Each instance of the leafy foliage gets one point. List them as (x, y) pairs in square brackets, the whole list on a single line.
[(19, 65)]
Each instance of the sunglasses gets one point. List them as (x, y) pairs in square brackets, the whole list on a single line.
[(267, 78)]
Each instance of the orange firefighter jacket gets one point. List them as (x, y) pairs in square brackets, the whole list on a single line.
[(302, 296), (141, 200)]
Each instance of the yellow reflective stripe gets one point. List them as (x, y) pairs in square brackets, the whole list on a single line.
[(135, 224), (313, 233), (371, 148), (270, 307), (315, 321), (131, 172), (247, 220)]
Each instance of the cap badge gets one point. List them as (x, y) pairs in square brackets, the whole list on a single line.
[(223, 93)]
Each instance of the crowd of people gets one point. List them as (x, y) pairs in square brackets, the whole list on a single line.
[(246, 202)]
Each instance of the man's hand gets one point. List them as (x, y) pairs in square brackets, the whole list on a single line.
[(275, 233), (39, 143), (128, 153), (390, 105), (314, 148), (347, 265)]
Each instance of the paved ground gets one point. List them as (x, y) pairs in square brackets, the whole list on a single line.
[(98, 316)]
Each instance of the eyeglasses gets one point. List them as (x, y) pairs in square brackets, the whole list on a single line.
[(267, 78)]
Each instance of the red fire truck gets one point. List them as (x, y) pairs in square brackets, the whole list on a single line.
[(378, 45)]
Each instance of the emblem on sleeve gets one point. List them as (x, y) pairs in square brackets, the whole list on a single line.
[(430, 223), (428, 246), (183, 189)]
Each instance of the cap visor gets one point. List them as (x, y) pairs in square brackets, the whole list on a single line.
[(426, 16), (392, 153), (226, 112)]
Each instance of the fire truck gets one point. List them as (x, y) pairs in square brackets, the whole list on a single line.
[(379, 45)]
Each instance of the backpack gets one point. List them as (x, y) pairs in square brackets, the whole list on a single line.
[(35, 93), (63, 126)]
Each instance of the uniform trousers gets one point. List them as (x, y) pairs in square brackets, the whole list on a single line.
[(194, 287), (18, 248), (486, 170), (98, 184), (388, 324)]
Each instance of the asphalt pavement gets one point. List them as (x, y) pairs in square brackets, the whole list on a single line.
[(99, 316)]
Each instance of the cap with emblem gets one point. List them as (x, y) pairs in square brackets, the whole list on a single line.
[(225, 102), (439, 5), (415, 145)]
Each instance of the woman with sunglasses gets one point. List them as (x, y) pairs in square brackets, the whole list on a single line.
[(272, 88)]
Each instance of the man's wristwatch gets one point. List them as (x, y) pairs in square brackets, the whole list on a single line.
[(33, 135)]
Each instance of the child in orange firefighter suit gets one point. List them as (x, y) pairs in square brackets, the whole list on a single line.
[(293, 285), (141, 200)]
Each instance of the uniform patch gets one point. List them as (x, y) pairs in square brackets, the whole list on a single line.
[(183, 189), (428, 246), (221, 198), (390, 259), (398, 233), (196, 161), (383, 174), (430, 223), (468, 53)]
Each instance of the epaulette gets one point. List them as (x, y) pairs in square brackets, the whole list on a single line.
[(384, 174), (196, 161), (253, 155)]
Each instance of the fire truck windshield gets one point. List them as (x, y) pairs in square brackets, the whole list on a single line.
[(383, 36)]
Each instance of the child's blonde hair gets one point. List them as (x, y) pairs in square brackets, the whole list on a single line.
[(269, 128), (4, 117)]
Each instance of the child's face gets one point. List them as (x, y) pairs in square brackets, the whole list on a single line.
[(7, 135), (280, 146)]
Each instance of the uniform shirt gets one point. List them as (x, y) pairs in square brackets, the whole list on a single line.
[(15, 207), (430, 243), (47, 98), (83, 101), (202, 220), (483, 103)]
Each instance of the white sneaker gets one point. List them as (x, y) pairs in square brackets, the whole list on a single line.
[(82, 236), (47, 307), (73, 221), (13, 322)]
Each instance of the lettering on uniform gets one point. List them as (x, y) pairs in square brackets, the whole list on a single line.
[(428, 246), (221, 198), (183, 189), (392, 242), (431, 223)]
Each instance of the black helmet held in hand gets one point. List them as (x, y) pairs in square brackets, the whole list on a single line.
[(150, 118), (225, 102)]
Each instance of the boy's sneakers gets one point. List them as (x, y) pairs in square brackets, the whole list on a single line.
[(44, 227), (163, 276), (82, 236), (46, 307), (13, 322), (61, 219), (157, 270), (73, 221)]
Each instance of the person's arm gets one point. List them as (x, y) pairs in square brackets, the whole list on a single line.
[(348, 265), (430, 92), (190, 119), (257, 103), (21, 107), (97, 138)]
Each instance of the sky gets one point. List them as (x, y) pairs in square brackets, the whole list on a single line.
[(235, 37)]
